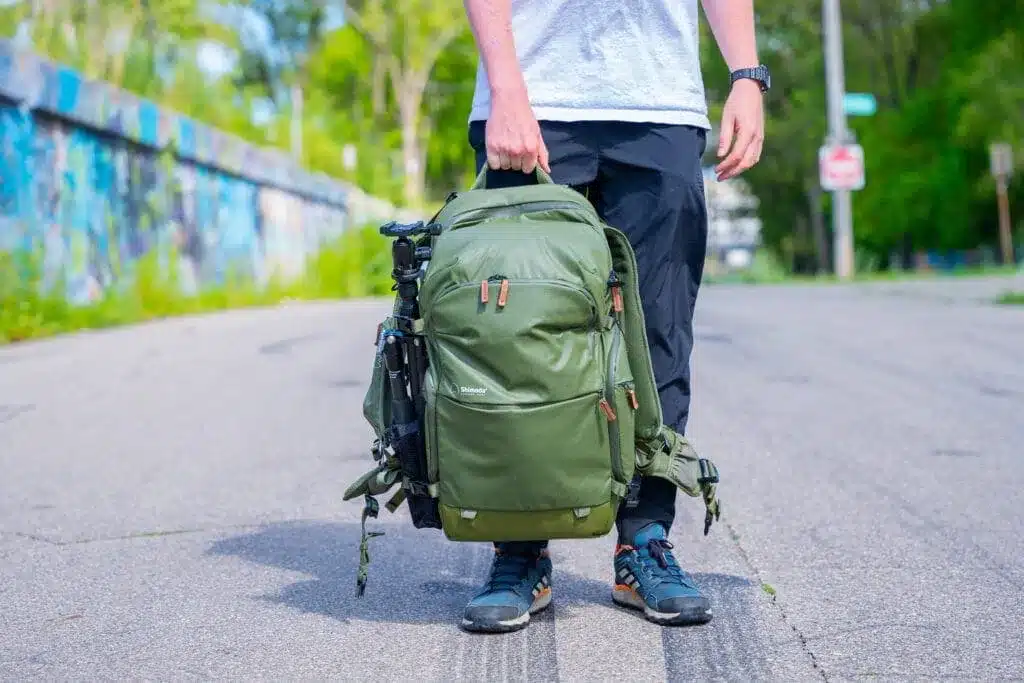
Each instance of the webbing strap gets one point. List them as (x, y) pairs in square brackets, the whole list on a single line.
[(371, 509), (619, 489), (395, 500), (672, 457)]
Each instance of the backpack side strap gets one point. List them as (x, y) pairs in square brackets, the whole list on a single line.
[(672, 457)]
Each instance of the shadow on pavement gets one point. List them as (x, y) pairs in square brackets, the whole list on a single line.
[(415, 575)]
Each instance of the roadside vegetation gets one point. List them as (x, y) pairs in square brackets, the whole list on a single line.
[(1012, 298), (356, 265), (357, 91), (359, 77)]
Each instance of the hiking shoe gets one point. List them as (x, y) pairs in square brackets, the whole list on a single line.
[(519, 585), (648, 578)]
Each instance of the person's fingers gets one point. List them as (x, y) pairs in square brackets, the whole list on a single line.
[(493, 158), (529, 163), (505, 162), (515, 160), (531, 152), (725, 135), (751, 157), (744, 138), (542, 156)]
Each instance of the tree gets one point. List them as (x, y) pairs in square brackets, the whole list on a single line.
[(408, 38)]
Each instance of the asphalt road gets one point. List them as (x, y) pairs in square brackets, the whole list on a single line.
[(170, 505)]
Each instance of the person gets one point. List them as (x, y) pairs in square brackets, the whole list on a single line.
[(607, 96)]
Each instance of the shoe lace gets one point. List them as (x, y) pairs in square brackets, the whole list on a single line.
[(665, 567), (508, 571)]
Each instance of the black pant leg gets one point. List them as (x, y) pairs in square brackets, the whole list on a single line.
[(650, 186)]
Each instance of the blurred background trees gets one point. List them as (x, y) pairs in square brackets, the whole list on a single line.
[(378, 91)]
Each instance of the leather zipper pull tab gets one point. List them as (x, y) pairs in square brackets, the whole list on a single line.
[(485, 288), (616, 286), (607, 409), (632, 399), (503, 293)]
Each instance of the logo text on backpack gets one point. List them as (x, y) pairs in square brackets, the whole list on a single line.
[(476, 391)]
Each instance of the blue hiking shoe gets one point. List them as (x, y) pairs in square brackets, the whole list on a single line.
[(648, 578), (519, 585)]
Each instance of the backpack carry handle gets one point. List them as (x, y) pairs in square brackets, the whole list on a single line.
[(539, 173)]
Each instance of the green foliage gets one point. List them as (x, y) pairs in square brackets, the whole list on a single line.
[(943, 72), (1012, 299), (357, 265), (395, 81)]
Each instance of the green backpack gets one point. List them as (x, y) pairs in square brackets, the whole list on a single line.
[(512, 394)]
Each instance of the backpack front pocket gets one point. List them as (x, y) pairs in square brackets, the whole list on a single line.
[(522, 458)]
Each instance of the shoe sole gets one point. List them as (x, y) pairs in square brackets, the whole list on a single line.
[(628, 597), (542, 600)]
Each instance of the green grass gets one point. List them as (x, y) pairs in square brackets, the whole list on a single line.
[(1012, 299), (357, 265), (766, 270)]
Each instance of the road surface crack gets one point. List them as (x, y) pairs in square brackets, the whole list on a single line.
[(134, 535), (770, 592)]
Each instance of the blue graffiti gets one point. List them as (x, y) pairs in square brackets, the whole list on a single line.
[(93, 180)]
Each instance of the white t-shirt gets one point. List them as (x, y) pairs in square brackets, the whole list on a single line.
[(618, 60)]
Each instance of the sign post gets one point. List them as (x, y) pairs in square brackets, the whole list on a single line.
[(1001, 158), (838, 135)]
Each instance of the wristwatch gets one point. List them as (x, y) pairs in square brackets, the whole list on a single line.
[(759, 73)]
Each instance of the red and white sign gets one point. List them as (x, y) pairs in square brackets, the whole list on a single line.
[(841, 167)]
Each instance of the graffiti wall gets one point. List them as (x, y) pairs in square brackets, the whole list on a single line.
[(92, 179)]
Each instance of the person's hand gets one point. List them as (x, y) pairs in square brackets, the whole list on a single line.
[(513, 135), (742, 120)]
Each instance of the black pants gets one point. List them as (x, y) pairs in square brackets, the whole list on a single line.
[(644, 179)]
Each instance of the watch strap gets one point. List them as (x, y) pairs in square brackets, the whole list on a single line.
[(759, 73)]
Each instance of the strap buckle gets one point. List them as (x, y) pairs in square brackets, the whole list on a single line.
[(633, 492), (708, 472)]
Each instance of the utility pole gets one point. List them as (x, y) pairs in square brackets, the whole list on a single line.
[(835, 89), (1001, 155)]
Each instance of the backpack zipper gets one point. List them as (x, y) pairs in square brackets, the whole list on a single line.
[(609, 397), (451, 288)]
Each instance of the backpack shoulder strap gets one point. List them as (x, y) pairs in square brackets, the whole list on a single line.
[(672, 457), (648, 415), (661, 452)]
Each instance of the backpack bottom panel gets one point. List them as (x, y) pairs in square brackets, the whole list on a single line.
[(488, 525)]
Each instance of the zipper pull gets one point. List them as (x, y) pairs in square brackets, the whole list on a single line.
[(503, 293), (607, 409), (632, 399), (616, 286), (484, 291)]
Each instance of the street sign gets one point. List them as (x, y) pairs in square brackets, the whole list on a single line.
[(859, 104), (1001, 158), (841, 167)]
